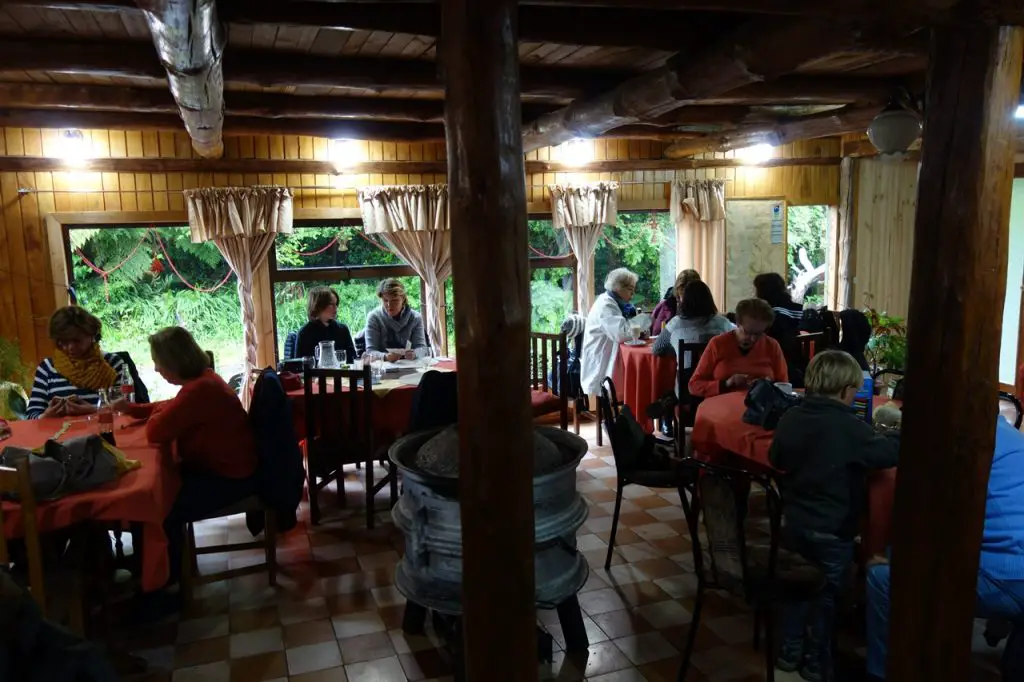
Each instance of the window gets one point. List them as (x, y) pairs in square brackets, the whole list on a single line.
[(339, 256), (807, 227), (636, 242), (139, 280), (552, 276)]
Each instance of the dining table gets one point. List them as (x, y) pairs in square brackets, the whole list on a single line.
[(641, 378), (143, 495), (720, 435), (391, 404)]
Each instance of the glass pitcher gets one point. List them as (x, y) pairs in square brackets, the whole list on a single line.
[(325, 356)]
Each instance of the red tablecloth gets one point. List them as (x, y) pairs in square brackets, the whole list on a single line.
[(391, 411), (641, 378), (719, 432), (144, 495)]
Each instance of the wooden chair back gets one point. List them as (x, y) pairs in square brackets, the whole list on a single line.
[(687, 402), (811, 344), (17, 480), (551, 352), (339, 419)]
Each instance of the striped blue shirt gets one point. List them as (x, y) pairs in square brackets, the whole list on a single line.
[(50, 384)]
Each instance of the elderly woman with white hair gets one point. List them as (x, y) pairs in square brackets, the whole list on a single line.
[(607, 327)]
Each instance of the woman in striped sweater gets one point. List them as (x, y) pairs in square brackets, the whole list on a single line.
[(68, 383)]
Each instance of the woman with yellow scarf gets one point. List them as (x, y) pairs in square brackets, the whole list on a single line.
[(69, 382)]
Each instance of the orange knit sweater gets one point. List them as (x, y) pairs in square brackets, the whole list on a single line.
[(723, 358)]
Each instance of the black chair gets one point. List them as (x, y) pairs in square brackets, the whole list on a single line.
[(878, 374), (339, 431), (1006, 396), (627, 453), (761, 574), (688, 402), (436, 401)]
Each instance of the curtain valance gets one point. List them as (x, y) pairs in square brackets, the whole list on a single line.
[(583, 210)]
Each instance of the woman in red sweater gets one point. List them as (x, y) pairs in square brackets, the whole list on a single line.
[(732, 361), (211, 429)]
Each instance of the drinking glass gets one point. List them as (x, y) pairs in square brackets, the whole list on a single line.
[(635, 333)]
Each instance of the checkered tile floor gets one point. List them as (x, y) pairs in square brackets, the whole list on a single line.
[(336, 616)]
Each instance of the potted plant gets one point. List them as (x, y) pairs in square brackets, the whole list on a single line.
[(15, 378), (887, 348)]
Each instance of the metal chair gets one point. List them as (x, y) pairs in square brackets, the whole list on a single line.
[(688, 356), (760, 574), (877, 374), (626, 453), (1006, 396), (339, 431)]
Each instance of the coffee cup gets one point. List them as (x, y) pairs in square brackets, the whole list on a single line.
[(783, 386)]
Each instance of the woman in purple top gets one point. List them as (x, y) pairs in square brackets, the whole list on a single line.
[(666, 308)]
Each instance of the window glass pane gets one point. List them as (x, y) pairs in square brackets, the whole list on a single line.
[(157, 278), (551, 294), (449, 310), (324, 247), (546, 241), (356, 297), (635, 243)]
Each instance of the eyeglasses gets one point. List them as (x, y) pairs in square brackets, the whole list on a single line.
[(753, 334)]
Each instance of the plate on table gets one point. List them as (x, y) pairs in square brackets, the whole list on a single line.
[(639, 342), (410, 379)]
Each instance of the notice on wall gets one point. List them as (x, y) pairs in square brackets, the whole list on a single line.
[(778, 225)]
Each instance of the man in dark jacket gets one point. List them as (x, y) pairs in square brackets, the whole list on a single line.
[(824, 451)]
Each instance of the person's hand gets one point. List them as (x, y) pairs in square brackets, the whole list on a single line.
[(78, 407), (410, 355), (737, 381), (391, 357), (56, 408)]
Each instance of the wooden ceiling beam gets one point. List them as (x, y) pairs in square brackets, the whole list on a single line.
[(190, 40), (751, 54), (233, 125), (256, 104), (839, 122), (34, 164), (797, 89), (268, 68)]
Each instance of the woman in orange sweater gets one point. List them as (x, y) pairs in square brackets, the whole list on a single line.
[(732, 361), (211, 429)]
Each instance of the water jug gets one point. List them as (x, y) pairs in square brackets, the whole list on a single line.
[(325, 356)]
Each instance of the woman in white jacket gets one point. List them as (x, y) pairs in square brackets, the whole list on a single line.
[(606, 328)]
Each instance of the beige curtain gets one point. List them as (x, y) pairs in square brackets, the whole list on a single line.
[(242, 222), (582, 210), (698, 212), (413, 221)]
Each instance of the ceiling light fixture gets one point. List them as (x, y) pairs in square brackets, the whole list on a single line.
[(345, 154), (759, 153), (73, 148), (1020, 111), (895, 129), (577, 152)]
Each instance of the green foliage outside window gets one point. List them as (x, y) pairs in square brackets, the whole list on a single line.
[(635, 243)]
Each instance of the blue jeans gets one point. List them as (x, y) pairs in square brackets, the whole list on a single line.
[(996, 599), (200, 496), (834, 556)]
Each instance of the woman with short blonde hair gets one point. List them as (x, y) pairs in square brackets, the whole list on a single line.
[(607, 327), (68, 383), (394, 325), (323, 325), (209, 429)]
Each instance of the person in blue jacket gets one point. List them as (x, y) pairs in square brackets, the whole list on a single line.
[(1000, 584)]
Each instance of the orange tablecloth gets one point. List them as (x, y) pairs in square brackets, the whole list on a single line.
[(391, 410), (719, 432), (641, 378), (144, 495)]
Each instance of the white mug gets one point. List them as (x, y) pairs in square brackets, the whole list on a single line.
[(783, 386)]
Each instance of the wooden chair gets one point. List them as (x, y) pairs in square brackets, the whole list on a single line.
[(811, 344), (17, 480), (549, 351), (626, 469), (688, 403), (190, 576), (339, 431)]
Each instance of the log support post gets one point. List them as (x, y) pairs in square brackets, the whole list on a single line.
[(487, 214), (957, 290)]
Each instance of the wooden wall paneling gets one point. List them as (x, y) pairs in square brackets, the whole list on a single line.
[(20, 275)]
